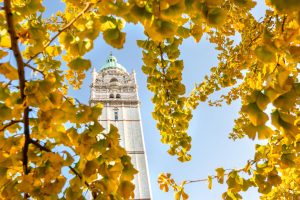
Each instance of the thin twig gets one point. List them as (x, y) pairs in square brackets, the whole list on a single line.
[(86, 8), (12, 122), (34, 69), (67, 99), (37, 144), (283, 22), (215, 176), (7, 84)]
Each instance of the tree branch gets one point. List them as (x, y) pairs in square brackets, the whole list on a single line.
[(43, 148), (37, 144), (86, 8), (12, 122), (21, 76)]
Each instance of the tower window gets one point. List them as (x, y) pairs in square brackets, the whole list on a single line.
[(113, 80), (116, 114), (118, 96), (111, 96)]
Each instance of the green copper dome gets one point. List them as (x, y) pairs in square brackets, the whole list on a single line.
[(111, 62)]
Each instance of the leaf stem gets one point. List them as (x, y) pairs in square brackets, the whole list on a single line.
[(34, 69)]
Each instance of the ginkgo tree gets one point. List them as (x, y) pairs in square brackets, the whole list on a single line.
[(43, 130)]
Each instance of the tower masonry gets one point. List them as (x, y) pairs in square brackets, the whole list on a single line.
[(117, 90)]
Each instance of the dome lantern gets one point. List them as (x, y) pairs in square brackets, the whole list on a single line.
[(112, 62)]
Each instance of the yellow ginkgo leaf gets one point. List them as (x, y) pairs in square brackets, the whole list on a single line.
[(209, 182), (6, 112), (126, 189), (213, 3), (248, 4), (264, 132), (197, 32), (262, 101), (8, 71), (256, 116), (265, 54), (220, 175), (5, 41), (3, 53), (80, 64), (216, 16), (286, 6), (114, 37), (160, 29)]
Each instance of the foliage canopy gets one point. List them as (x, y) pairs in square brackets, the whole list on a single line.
[(38, 119)]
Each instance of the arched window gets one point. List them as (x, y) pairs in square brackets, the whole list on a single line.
[(111, 96), (113, 80), (118, 96)]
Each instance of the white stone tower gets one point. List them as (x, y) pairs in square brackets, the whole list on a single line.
[(116, 89)]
